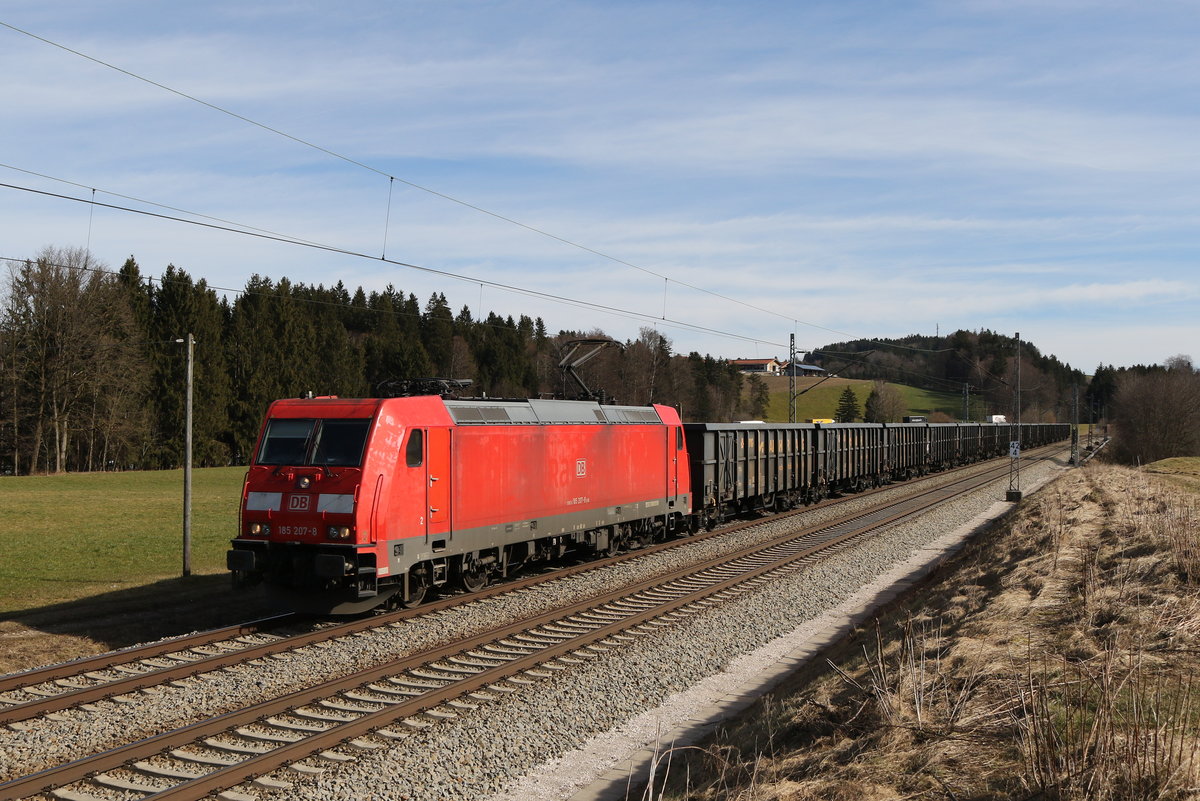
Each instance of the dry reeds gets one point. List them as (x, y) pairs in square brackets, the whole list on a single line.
[(1108, 730), (1060, 662), (912, 683), (1179, 526)]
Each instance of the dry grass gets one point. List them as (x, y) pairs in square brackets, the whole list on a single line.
[(1104, 730), (1054, 660), (1183, 472)]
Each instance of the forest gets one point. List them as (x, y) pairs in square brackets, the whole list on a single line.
[(1154, 408), (93, 364), (980, 365), (93, 361)]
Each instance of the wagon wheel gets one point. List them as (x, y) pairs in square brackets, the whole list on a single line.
[(472, 576)]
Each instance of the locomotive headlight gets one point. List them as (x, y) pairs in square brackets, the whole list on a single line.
[(260, 528), (305, 482), (339, 532)]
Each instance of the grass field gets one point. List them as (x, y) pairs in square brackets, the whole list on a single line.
[(73, 536), (1182, 471), (821, 401)]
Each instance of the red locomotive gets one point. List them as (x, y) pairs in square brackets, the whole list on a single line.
[(352, 504)]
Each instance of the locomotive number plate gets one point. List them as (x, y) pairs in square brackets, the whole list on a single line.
[(297, 531)]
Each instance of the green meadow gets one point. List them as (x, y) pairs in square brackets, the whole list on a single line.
[(820, 400), (72, 536)]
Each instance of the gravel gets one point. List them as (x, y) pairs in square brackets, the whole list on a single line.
[(560, 729), (480, 753)]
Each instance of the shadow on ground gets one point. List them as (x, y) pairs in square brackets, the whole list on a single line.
[(129, 616)]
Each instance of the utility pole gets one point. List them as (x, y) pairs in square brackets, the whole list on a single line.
[(1075, 425), (966, 402), (1091, 422), (792, 381), (187, 461), (1014, 444)]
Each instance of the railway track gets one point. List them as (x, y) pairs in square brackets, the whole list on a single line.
[(79, 681), (331, 720), (55, 688)]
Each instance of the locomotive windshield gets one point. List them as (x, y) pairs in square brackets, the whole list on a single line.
[(333, 443)]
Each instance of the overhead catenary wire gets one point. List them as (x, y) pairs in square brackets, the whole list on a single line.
[(387, 222), (395, 312), (152, 203), (231, 226), (391, 179), (626, 313), (349, 160)]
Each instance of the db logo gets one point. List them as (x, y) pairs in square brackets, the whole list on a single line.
[(580, 468), (299, 503)]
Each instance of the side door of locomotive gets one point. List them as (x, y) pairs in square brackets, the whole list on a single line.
[(438, 482), (674, 448)]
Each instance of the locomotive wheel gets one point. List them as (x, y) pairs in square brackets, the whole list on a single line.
[(472, 577), (614, 542), (416, 597), (418, 588)]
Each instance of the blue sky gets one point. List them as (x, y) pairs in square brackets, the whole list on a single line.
[(735, 172)]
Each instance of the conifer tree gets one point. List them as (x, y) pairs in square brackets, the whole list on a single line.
[(847, 409), (437, 334), (180, 307), (253, 351)]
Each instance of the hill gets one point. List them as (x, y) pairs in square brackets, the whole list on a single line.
[(819, 398), (984, 362)]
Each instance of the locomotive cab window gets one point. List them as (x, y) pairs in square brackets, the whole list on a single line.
[(340, 442), (285, 442), (314, 442), (415, 451)]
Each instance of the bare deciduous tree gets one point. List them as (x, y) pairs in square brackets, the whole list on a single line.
[(1157, 413), (72, 370), (885, 404)]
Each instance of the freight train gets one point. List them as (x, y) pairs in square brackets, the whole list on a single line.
[(351, 504)]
